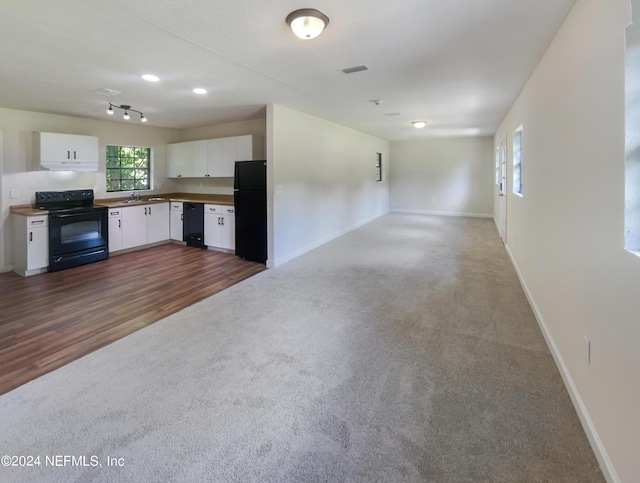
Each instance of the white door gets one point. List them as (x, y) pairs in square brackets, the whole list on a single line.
[(134, 226), (212, 229), (38, 249), (172, 154), (157, 222), (228, 228), (175, 221), (502, 192), (214, 157), (115, 233)]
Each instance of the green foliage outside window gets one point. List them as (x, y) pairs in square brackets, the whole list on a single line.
[(128, 168)]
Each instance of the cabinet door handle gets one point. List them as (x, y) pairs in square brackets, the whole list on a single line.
[(145, 210), (119, 223), (149, 210), (181, 217), (222, 219), (37, 222), (30, 236), (68, 154), (74, 155)]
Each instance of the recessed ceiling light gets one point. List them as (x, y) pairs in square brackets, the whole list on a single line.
[(199, 90), (419, 124), (151, 78)]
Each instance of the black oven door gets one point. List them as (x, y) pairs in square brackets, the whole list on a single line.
[(77, 237)]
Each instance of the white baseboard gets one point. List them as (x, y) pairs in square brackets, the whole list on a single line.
[(442, 213), (322, 241), (606, 465), (6, 268)]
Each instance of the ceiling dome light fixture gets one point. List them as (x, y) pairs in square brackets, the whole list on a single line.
[(199, 90), (419, 124), (126, 110), (307, 23), (151, 78)]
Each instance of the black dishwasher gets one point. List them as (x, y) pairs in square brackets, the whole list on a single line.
[(193, 224)]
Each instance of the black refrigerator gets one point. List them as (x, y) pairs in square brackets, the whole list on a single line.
[(250, 197)]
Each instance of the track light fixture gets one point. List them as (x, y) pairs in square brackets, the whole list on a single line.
[(126, 110)]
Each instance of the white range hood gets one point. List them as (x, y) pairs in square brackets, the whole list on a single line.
[(66, 152)]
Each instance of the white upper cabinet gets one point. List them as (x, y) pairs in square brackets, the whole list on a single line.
[(186, 160), (67, 151), (221, 157), (213, 158)]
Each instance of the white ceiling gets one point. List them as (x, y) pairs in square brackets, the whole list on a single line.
[(457, 64)]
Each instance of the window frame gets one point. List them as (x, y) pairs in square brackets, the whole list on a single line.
[(516, 160), (120, 168)]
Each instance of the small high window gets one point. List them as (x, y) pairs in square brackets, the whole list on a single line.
[(497, 165), (517, 161), (128, 168), (632, 134), (379, 167)]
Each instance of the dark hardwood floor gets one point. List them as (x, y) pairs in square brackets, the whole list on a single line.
[(49, 320)]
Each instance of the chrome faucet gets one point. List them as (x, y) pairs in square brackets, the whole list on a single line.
[(135, 196)]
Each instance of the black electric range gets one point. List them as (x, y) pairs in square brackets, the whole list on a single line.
[(78, 229)]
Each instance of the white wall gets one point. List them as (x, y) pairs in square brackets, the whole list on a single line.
[(566, 233), (322, 180), (20, 172), (442, 175)]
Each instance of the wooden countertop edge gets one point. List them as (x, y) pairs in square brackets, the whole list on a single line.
[(181, 197), (29, 210)]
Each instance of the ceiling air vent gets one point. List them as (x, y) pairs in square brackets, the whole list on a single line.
[(357, 68), (103, 91)]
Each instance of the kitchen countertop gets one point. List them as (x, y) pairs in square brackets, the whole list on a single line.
[(29, 210), (168, 197)]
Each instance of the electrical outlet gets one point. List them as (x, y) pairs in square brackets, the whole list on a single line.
[(14, 194), (587, 350)]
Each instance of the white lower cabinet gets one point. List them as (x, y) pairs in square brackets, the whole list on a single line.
[(144, 224), (220, 226), (158, 222), (31, 244), (175, 221), (115, 229)]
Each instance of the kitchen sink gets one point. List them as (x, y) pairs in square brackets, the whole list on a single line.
[(156, 199), (130, 201)]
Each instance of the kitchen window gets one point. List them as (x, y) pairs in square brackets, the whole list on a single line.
[(128, 168)]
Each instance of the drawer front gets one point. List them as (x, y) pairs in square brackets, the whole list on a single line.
[(215, 209), (228, 210), (35, 221), (176, 207), (115, 213)]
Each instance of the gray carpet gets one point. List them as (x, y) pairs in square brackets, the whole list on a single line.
[(402, 351)]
